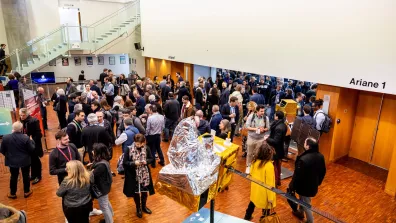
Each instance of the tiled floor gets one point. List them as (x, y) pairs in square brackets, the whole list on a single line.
[(350, 191)]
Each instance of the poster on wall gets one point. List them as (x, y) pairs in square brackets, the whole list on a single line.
[(52, 62), (100, 60), (65, 61), (77, 61), (5, 122), (89, 60), (122, 60), (112, 60)]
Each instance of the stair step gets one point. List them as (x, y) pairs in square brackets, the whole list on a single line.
[(113, 31), (54, 49), (126, 23), (122, 25), (36, 59), (60, 46), (99, 38), (25, 65), (109, 33), (104, 36), (117, 27)]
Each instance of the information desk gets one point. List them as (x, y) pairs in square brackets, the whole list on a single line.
[(203, 216)]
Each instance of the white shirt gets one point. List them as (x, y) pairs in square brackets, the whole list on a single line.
[(120, 140)]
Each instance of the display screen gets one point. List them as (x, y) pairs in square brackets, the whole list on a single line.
[(43, 77)]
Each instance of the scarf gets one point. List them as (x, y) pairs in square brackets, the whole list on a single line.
[(142, 174)]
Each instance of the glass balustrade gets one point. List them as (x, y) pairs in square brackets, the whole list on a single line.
[(40, 51)]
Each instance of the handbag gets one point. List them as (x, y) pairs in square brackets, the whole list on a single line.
[(57, 107), (95, 192), (271, 217)]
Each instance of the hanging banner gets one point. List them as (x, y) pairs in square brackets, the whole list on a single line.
[(33, 107)]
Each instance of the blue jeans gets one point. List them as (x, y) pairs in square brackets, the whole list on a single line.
[(308, 213)]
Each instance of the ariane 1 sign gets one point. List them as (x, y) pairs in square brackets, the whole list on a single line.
[(361, 82)]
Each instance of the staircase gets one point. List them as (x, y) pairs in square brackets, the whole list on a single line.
[(40, 51)]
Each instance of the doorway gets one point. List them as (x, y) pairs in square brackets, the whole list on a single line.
[(375, 121), (71, 18)]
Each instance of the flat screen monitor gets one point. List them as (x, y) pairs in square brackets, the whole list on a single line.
[(43, 77)]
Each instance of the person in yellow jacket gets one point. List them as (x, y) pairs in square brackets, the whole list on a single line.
[(262, 169)]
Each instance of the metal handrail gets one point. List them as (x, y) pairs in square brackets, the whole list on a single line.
[(102, 20)]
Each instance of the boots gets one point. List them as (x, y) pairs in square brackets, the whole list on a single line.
[(139, 213), (144, 202)]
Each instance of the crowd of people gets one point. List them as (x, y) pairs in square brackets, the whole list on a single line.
[(137, 113)]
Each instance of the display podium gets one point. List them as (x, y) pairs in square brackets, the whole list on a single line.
[(228, 155)]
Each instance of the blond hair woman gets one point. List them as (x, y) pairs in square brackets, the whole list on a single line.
[(75, 193)]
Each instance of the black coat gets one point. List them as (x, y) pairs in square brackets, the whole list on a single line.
[(17, 149), (164, 93), (276, 138), (130, 174), (62, 106), (97, 89), (183, 91), (309, 172), (31, 127), (102, 176), (94, 134), (224, 97), (172, 109)]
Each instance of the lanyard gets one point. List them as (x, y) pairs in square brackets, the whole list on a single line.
[(77, 125), (65, 154)]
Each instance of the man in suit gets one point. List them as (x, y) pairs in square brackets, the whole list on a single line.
[(165, 92), (94, 134), (256, 97), (183, 91), (203, 125), (70, 87), (179, 77), (215, 120), (31, 127), (17, 147), (94, 87), (276, 96), (187, 109), (74, 131), (225, 94), (140, 103), (230, 111), (102, 77), (172, 114)]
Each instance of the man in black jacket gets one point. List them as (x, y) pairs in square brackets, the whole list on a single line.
[(276, 139), (102, 77), (3, 65), (230, 111), (94, 134), (17, 147), (94, 87), (63, 153), (183, 91), (172, 114), (74, 131), (165, 91), (309, 172), (31, 127)]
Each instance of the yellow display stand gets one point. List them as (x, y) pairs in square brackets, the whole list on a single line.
[(289, 107), (195, 203), (228, 158)]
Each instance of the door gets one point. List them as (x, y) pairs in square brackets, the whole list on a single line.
[(366, 121), (384, 141), (71, 18)]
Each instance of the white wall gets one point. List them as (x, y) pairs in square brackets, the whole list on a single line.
[(91, 72), (327, 42), (43, 16), (3, 37)]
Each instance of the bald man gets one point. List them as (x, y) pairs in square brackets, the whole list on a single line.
[(43, 106), (203, 125)]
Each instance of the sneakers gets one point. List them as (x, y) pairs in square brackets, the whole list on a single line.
[(95, 212), (247, 170), (11, 196), (26, 195), (298, 214)]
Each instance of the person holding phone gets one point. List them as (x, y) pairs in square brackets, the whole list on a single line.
[(257, 124), (138, 182)]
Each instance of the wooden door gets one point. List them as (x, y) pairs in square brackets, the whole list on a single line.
[(365, 125), (384, 141)]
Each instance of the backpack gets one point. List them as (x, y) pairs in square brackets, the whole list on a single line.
[(326, 125), (120, 166), (65, 128)]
